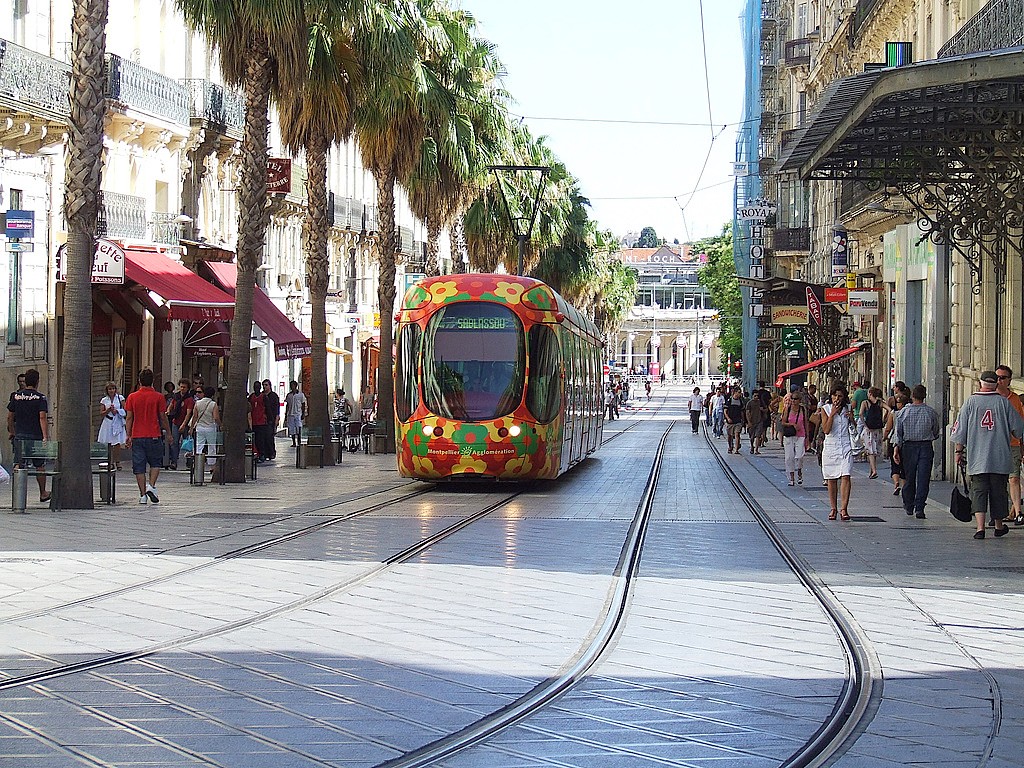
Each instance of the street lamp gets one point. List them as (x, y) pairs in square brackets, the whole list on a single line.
[(522, 221)]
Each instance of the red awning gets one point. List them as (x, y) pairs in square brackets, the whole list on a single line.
[(860, 346), (207, 338), (185, 295), (289, 341)]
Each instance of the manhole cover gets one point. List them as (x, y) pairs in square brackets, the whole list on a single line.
[(867, 518)]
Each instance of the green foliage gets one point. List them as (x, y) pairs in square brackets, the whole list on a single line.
[(719, 277), (648, 238)]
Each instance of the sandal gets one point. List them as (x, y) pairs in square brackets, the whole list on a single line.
[(832, 514), (844, 515), (872, 476)]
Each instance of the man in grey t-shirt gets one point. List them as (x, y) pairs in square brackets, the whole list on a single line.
[(985, 425)]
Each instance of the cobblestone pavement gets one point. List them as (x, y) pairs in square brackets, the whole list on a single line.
[(724, 659)]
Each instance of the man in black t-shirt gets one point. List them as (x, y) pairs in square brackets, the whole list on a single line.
[(272, 405), (26, 420)]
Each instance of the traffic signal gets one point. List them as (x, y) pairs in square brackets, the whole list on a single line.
[(739, 365)]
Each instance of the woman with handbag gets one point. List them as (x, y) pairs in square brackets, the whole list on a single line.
[(112, 428), (794, 438), (205, 425), (840, 429)]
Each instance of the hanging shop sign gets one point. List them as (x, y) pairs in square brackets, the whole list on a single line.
[(790, 314), (279, 175), (835, 295), (20, 224), (840, 258), (107, 264), (863, 302), (814, 306)]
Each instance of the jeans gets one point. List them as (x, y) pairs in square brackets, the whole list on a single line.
[(916, 458), (175, 446), (718, 423), (694, 420)]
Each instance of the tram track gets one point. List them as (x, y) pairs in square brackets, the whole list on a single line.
[(861, 691)]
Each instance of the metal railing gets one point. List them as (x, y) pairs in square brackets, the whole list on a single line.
[(121, 215), (165, 228), (792, 239), (34, 80), (137, 87), (798, 52), (861, 13), (1000, 24), (216, 104)]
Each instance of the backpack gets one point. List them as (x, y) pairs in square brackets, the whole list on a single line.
[(873, 416), (174, 406)]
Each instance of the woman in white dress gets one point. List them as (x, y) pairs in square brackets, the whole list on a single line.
[(837, 422), (112, 429)]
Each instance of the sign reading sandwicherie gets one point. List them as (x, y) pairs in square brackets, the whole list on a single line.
[(107, 263), (790, 314)]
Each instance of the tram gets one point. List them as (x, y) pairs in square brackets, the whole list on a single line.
[(496, 376)]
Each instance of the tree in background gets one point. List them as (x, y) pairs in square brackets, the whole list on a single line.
[(719, 277), (648, 238)]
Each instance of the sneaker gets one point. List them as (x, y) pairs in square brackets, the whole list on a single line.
[(143, 499), (1002, 531), (909, 511), (799, 479), (920, 516), (791, 483), (151, 492), (1018, 520)]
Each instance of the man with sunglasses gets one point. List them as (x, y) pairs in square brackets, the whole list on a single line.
[(1004, 375)]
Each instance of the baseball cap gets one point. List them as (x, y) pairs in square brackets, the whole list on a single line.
[(989, 377)]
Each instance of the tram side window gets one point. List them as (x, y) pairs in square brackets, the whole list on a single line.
[(543, 390), (407, 394)]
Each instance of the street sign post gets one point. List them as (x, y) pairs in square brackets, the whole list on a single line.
[(19, 246)]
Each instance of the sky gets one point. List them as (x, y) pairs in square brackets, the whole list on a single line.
[(608, 70)]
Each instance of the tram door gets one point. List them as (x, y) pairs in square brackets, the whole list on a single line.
[(577, 396)]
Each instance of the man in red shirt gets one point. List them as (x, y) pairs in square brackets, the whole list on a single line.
[(258, 420), (147, 427)]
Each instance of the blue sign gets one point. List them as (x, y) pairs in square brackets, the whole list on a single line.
[(21, 224)]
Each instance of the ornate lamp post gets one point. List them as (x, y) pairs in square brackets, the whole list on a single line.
[(520, 217)]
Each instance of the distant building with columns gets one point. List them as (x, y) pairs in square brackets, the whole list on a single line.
[(673, 329)]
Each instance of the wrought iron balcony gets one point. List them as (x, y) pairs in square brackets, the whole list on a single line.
[(143, 89), (999, 24), (794, 239), (166, 227), (215, 104), (121, 216), (853, 195), (798, 52), (34, 81), (405, 240), (345, 212)]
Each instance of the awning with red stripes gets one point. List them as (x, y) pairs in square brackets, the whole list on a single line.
[(858, 347)]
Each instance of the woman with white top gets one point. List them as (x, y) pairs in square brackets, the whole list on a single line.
[(205, 425), (112, 428), (794, 437), (837, 424)]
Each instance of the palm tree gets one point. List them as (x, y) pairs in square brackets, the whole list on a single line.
[(313, 118), (569, 267), (261, 45), (389, 128), (81, 192)]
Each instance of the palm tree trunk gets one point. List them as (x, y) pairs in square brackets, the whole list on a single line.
[(85, 159), (387, 252), (315, 244), (457, 234), (252, 227), (433, 235)]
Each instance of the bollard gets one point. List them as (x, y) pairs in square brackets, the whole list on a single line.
[(105, 483), (19, 489)]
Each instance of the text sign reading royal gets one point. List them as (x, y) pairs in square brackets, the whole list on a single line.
[(755, 211), (107, 263)]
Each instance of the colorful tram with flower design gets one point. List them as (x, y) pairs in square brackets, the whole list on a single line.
[(496, 376)]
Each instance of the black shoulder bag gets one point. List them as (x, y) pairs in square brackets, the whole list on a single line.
[(960, 499)]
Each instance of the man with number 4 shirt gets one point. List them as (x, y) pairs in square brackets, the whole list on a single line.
[(985, 426)]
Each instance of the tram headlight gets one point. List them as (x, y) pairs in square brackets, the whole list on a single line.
[(438, 431), (514, 430), (502, 432), (428, 430)]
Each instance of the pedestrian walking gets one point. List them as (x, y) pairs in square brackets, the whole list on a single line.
[(754, 413), (793, 425), (112, 425), (294, 413), (888, 435), (917, 428), (205, 426), (981, 435), (148, 430), (1004, 375), (611, 402), (872, 416), (647, 387), (838, 425), (272, 404), (26, 420), (718, 413), (735, 415), (696, 405), (179, 414)]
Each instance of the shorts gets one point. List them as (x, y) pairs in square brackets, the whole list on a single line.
[(735, 430), (1016, 453), (990, 495), (147, 450), (19, 448)]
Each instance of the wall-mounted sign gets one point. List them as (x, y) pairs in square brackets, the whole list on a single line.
[(814, 306), (835, 295), (20, 223), (840, 259), (107, 264), (863, 302), (790, 314), (755, 211), (279, 175)]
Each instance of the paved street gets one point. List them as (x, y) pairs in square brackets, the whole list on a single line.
[(316, 651)]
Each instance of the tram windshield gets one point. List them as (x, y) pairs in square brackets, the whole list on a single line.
[(473, 361)]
